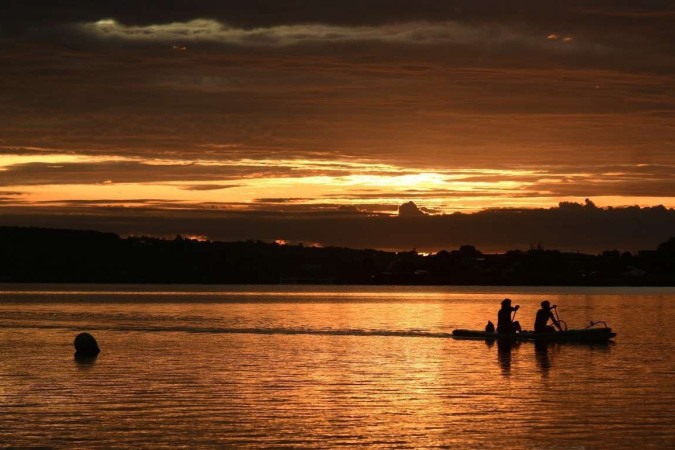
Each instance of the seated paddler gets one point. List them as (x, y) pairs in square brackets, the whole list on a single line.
[(543, 316), (505, 322)]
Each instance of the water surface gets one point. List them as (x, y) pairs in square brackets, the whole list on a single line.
[(285, 366)]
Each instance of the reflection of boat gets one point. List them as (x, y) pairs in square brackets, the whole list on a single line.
[(582, 335)]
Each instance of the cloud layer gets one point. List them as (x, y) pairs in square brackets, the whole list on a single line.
[(310, 107)]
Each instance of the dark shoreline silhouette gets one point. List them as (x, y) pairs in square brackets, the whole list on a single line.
[(44, 255)]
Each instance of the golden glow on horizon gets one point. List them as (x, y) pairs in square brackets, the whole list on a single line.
[(285, 184), (172, 196)]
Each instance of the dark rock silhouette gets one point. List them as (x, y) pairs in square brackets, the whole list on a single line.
[(86, 346)]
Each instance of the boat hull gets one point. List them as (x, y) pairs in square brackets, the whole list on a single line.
[(583, 335)]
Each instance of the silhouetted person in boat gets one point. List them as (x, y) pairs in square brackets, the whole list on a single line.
[(543, 315), (505, 323)]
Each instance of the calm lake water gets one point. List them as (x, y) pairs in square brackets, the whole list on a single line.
[(280, 366)]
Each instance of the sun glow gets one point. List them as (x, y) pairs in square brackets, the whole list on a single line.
[(291, 184), (408, 181)]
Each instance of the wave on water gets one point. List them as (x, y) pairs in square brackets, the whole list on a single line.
[(219, 330)]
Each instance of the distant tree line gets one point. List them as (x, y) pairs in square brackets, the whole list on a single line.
[(41, 255)]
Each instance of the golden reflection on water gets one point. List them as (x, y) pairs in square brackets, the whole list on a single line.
[(178, 373)]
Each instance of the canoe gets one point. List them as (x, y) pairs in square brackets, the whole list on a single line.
[(581, 335)]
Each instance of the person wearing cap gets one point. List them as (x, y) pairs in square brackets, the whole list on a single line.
[(543, 315), (505, 323)]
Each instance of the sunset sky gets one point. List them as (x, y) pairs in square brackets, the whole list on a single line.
[(177, 117)]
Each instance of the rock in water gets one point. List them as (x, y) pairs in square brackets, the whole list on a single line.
[(86, 345)]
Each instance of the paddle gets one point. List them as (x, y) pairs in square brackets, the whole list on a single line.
[(557, 319), (513, 319), (514, 313)]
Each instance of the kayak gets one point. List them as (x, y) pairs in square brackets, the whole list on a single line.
[(581, 335)]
